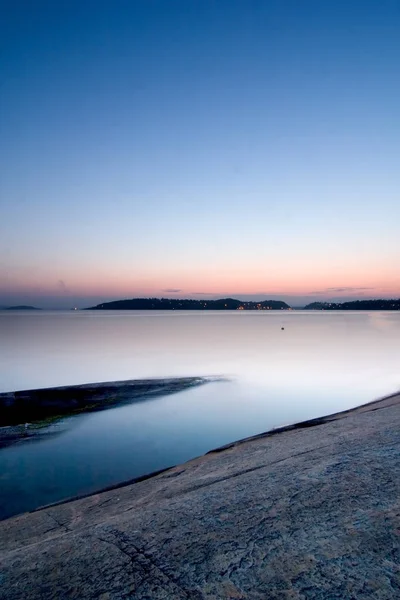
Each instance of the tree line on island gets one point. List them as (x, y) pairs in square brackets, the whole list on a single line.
[(234, 304), (356, 305), (228, 304), (189, 304), (19, 307)]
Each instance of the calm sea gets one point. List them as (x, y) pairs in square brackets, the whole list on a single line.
[(320, 362)]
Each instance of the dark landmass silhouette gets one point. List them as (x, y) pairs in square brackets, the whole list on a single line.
[(22, 307), (31, 406), (356, 305), (188, 304)]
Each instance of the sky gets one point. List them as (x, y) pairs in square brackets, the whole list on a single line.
[(199, 148)]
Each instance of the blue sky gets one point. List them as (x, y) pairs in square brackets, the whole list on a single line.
[(215, 147)]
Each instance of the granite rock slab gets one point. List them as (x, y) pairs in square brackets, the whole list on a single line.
[(306, 513)]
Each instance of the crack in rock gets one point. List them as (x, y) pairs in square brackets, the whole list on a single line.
[(147, 563)]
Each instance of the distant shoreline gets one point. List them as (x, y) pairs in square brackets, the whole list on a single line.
[(378, 304), (22, 307), (190, 304), (235, 304), (222, 304)]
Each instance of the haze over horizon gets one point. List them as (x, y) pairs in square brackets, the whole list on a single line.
[(71, 302), (199, 149)]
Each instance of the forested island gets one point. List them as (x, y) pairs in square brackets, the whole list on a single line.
[(21, 307), (189, 304), (356, 305)]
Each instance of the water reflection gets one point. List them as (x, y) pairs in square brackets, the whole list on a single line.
[(49, 349), (319, 363)]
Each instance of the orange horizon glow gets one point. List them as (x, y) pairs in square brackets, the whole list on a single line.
[(219, 280)]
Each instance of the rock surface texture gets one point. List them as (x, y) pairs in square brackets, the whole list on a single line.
[(309, 513), (32, 405)]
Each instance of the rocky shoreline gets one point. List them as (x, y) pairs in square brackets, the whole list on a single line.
[(28, 414), (309, 512)]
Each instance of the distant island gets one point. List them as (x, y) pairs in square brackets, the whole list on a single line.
[(22, 307), (175, 304), (356, 305)]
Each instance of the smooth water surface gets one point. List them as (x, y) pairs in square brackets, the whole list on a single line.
[(319, 363)]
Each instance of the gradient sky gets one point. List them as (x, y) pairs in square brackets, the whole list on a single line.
[(196, 147)]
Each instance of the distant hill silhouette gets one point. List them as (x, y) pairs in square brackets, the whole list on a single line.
[(356, 305), (187, 304), (22, 307)]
